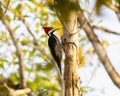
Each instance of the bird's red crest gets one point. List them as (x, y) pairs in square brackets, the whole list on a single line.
[(47, 29)]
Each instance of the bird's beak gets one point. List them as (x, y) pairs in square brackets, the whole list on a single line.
[(56, 29)]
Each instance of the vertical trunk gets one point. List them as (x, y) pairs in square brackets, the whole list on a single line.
[(71, 71), (67, 10)]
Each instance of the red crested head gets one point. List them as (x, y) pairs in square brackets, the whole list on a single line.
[(47, 29)]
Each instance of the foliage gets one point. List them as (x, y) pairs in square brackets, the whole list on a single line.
[(39, 69), (100, 3)]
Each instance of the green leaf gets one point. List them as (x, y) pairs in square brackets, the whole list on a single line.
[(32, 1), (83, 89), (24, 50), (37, 25), (31, 53), (1, 12), (37, 31), (1, 64), (82, 39), (33, 85), (43, 36), (8, 18), (16, 62), (18, 7), (2, 61), (30, 8), (38, 67), (28, 69), (22, 95), (3, 34), (16, 27), (14, 77), (24, 42)]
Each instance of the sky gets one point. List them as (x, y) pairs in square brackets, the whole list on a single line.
[(101, 84)]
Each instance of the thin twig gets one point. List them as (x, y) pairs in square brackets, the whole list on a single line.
[(87, 19), (62, 21), (40, 48), (118, 15), (85, 23), (100, 51), (19, 52), (91, 77), (43, 51), (105, 30), (21, 17), (8, 2), (116, 9), (27, 26)]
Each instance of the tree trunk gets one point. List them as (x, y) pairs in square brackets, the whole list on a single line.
[(67, 13), (71, 71)]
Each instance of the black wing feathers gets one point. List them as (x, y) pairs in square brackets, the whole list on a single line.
[(55, 48)]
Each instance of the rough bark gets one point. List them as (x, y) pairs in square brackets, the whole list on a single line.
[(66, 10), (71, 71)]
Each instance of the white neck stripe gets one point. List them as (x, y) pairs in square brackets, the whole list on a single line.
[(52, 30)]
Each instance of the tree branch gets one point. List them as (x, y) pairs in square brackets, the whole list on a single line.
[(40, 48), (105, 30), (99, 50), (114, 8), (21, 17), (19, 52), (12, 92), (8, 2)]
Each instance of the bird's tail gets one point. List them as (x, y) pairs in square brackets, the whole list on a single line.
[(59, 66)]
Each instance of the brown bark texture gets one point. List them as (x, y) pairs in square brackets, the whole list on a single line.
[(67, 13), (71, 71)]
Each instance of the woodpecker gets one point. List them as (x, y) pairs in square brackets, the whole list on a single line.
[(54, 45)]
